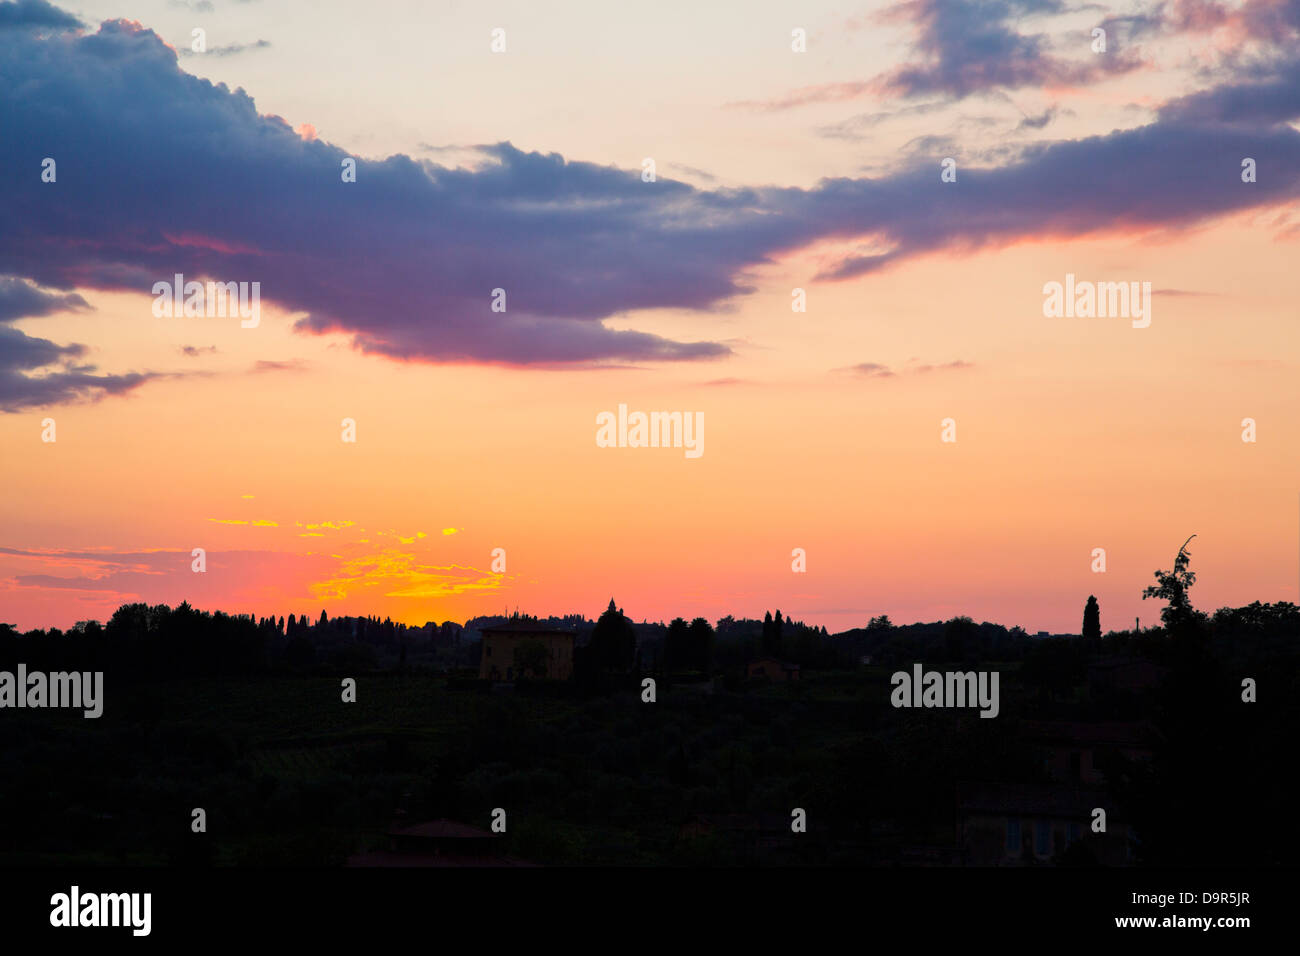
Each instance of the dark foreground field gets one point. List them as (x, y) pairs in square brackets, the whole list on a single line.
[(710, 773)]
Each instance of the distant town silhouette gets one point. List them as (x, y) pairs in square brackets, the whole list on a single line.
[(612, 741)]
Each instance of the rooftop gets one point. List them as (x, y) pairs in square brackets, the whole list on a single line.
[(528, 627)]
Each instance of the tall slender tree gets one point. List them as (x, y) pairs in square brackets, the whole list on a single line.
[(1091, 620)]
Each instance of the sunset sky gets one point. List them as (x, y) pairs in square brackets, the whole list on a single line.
[(522, 170)]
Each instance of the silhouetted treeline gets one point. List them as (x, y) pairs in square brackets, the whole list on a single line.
[(291, 775), (140, 642), (955, 641), (1222, 789), (158, 640)]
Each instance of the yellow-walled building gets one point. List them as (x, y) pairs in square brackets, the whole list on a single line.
[(499, 643)]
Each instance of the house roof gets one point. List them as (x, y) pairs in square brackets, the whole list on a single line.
[(533, 628)]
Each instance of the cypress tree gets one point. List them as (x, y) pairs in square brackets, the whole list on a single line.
[(1091, 621)]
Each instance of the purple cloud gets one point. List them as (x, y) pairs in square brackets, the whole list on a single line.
[(873, 370), (162, 172), (22, 356), (972, 46), (877, 370), (35, 15)]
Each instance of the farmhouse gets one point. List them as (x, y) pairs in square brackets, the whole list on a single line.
[(501, 662), (769, 668), (1020, 824)]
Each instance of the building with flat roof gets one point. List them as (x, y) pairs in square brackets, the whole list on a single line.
[(769, 668), (553, 661)]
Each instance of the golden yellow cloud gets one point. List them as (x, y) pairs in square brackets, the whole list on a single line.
[(396, 573)]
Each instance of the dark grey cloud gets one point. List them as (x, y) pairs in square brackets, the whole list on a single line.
[(163, 172), (694, 173), (873, 370), (964, 48), (19, 391), (974, 46), (1268, 97), (35, 14), (229, 49), (863, 125), (22, 351), (20, 299), (1039, 121), (1276, 22), (1161, 176), (1130, 28), (878, 370), (942, 367), (35, 372), (290, 365)]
